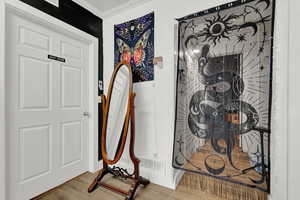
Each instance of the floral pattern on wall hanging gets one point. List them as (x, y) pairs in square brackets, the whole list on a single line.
[(134, 44), (224, 93)]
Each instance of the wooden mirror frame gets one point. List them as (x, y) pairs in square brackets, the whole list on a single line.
[(106, 102)]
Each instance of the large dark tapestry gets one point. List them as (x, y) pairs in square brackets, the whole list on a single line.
[(134, 44), (224, 90)]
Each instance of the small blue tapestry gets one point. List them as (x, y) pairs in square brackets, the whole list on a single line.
[(134, 44)]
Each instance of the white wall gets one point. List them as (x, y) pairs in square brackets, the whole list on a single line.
[(2, 104), (279, 160), (163, 96), (294, 107)]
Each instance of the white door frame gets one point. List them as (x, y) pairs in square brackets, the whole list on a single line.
[(16, 6)]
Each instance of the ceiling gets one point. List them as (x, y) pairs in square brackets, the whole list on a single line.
[(106, 5), (106, 8)]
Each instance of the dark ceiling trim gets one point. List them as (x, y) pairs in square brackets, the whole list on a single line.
[(77, 16)]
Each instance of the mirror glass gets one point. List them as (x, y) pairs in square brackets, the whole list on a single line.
[(117, 111)]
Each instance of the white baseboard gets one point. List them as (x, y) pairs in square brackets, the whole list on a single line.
[(178, 174)]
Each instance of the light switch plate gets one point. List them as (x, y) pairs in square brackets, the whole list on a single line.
[(99, 99), (100, 85)]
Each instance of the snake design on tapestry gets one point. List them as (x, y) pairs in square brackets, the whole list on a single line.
[(217, 113)]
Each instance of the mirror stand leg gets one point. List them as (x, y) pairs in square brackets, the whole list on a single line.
[(140, 181), (99, 177), (144, 181), (132, 191)]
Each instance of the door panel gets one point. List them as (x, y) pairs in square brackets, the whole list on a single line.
[(34, 39), (47, 133), (71, 51), (71, 77), (34, 90), (71, 142), (35, 148)]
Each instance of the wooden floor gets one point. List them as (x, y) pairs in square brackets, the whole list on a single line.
[(76, 189)]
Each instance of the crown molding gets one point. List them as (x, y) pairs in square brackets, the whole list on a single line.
[(130, 4)]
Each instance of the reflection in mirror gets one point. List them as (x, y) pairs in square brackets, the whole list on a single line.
[(118, 107)]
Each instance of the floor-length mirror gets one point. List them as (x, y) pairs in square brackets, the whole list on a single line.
[(118, 112)]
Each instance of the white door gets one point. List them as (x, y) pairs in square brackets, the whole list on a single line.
[(46, 99)]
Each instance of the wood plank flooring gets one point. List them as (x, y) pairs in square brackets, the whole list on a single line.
[(76, 189)]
